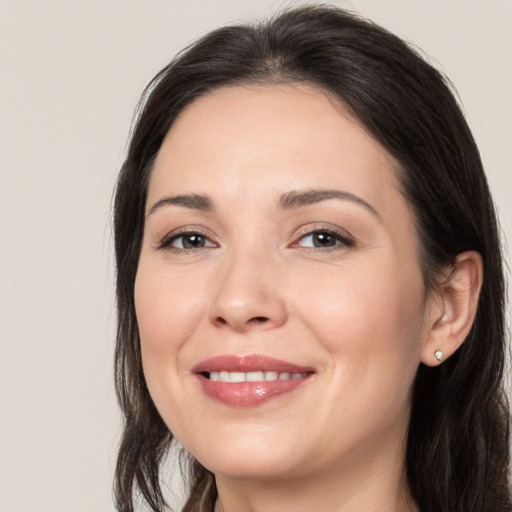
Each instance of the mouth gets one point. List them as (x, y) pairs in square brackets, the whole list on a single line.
[(258, 376), (249, 381)]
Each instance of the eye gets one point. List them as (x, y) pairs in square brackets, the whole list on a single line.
[(324, 239), (186, 242)]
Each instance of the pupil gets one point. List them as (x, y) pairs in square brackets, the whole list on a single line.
[(323, 240), (192, 241)]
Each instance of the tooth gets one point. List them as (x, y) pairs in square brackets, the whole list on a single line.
[(255, 376), (237, 377)]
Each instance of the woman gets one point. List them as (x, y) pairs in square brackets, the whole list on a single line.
[(310, 286)]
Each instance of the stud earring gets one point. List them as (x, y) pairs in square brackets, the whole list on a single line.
[(439, 355)]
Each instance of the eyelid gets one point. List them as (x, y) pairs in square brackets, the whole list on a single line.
[(346, 239), (166, 241)]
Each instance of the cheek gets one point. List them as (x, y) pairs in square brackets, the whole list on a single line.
[(369, 323), (167, 311), (166, 307), (357, 299)]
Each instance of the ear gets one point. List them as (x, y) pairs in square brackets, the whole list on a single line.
[(452, 308)]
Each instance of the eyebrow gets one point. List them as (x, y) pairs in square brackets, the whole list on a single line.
[(289, 200), (192, 201), (296, 199)]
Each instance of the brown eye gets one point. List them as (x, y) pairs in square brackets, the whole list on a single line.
[(324, 239), (191, 241), (188, 241)]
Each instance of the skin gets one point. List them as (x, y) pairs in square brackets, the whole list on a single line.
[(356, 311)]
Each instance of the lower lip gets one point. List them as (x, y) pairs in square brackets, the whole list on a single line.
[(249, 394)]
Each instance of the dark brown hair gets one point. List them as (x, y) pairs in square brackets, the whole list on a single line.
[(457, 449)]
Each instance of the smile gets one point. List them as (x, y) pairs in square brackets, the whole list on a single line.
[(249, 381), (260, 376)]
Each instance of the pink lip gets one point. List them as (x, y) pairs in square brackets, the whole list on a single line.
[(251, 363), (248, 394)]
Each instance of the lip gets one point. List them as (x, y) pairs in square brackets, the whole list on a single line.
[(249, 363), (249, 394)]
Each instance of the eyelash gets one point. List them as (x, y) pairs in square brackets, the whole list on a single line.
[(166, 242), (344, 240)]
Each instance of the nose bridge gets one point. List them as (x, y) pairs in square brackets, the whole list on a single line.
[(248, 295)]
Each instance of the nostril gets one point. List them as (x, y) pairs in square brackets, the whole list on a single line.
[(258, 319), (239, 321), (253, 320)]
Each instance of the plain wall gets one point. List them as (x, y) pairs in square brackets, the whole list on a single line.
[(70, 75)]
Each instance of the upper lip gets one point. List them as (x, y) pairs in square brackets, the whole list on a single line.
[(248, 363)]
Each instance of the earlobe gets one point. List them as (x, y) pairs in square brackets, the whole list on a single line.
[(454, 308)]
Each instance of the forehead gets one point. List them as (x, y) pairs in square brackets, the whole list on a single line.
[(241, 140)]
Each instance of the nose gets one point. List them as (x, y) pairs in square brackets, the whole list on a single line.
[(249, 295)]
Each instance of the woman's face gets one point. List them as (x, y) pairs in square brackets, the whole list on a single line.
[(277, 245)]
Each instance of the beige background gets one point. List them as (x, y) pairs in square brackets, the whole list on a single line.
[(70, 75)]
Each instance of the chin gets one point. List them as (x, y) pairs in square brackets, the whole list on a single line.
[(250, 459), (257, 468)]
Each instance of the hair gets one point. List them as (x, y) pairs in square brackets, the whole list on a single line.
[(457, 453)]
